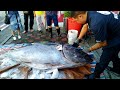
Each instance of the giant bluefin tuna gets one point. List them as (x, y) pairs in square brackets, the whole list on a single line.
[(47, 56)]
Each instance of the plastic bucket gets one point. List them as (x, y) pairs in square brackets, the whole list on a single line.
[(72, 36)]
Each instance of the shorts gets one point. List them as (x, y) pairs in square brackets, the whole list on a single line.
[(15, 22), (50, 18)]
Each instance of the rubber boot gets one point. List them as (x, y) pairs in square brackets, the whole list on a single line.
[(50, 30), (113, 70), (58, 31), (46, 30)]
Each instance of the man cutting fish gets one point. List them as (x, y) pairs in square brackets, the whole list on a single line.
[(106, 29)]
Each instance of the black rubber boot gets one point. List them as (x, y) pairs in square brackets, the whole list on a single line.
[(46, 30), (58, 31), (50, 30), (113, 70)]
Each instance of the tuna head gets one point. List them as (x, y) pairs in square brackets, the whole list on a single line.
[(76, 55)]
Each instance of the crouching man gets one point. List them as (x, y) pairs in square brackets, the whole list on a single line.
[(106, 29)]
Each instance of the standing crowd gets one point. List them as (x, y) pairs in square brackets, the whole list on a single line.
[(44, 20)]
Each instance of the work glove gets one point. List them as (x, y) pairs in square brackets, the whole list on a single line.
[(76, 43)]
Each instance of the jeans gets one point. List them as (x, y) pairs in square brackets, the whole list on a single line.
[(50, 18)]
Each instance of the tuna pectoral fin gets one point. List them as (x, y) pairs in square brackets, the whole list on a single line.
[(8, 68)]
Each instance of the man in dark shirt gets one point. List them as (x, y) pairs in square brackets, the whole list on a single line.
[(106, 29), (52, 15)]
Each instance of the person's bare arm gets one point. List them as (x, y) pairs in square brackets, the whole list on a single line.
[(83, 31), (98, 45)]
